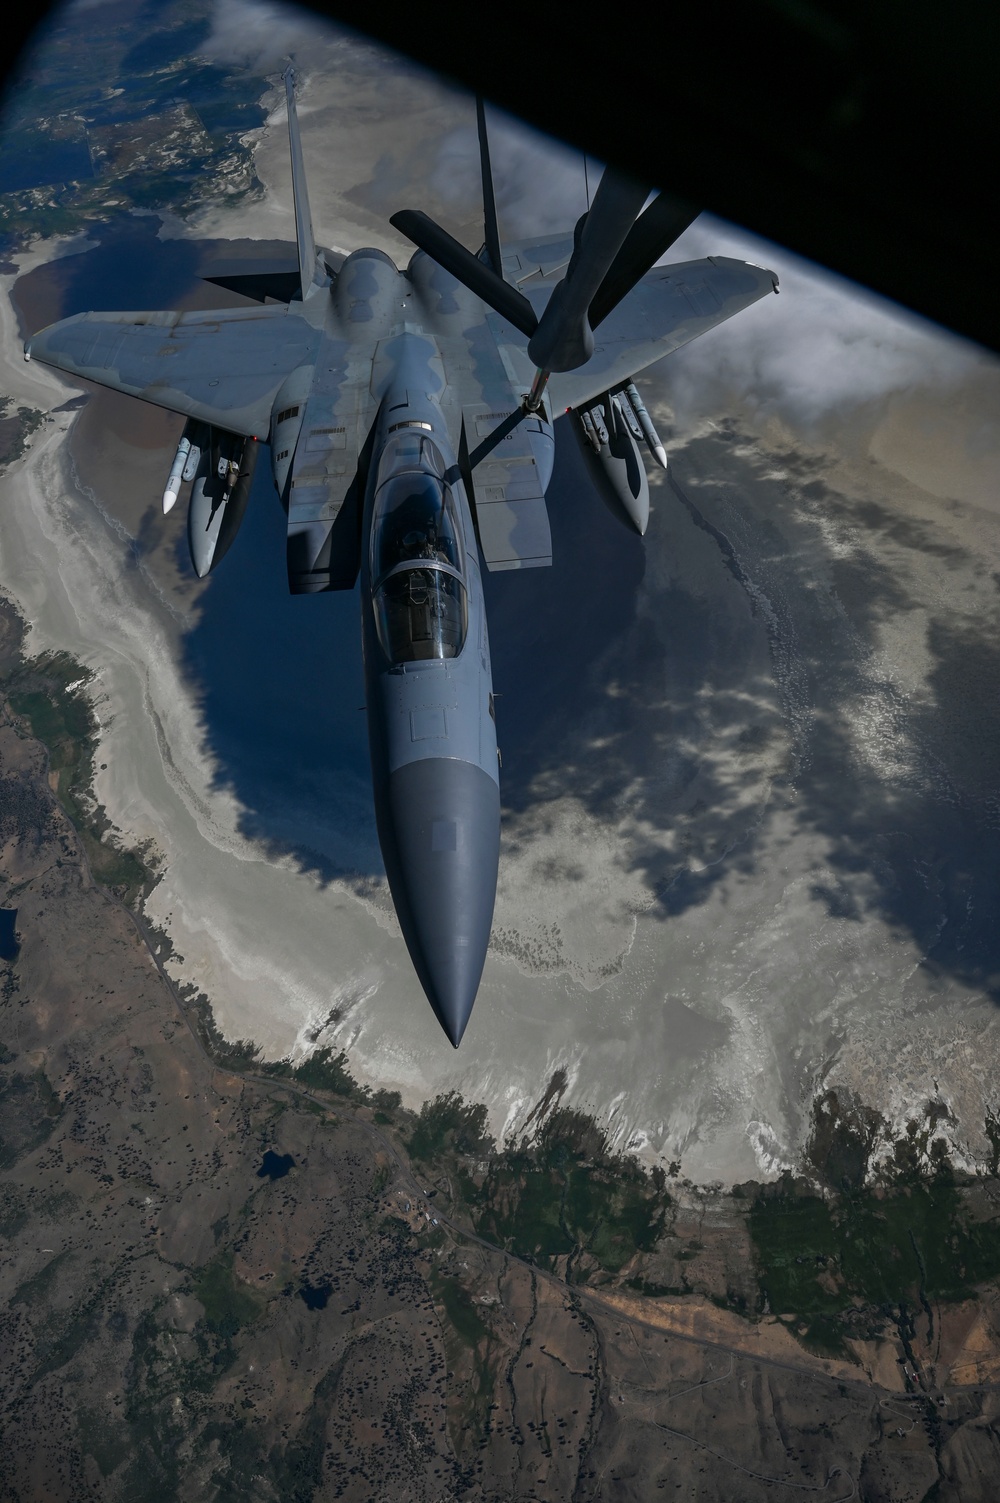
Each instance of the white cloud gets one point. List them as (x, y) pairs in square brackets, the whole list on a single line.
[(539, 182), (823, 345), (260, 35)]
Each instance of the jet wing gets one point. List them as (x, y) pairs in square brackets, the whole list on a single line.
[(538, 262), (223, 367), (668, 308)]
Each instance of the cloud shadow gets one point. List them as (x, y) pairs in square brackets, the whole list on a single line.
[(677, 689)]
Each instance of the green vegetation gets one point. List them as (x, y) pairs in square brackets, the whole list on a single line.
[(877, 1250), (231, 1054), (107, 1442), (229, 1303), (326, 1071), (449, 1123), (13, 1210), (64, 1336), (869, 1252), (29, 1110), (460, 1310), (469, 1348), (15, 430), (564, 1195), (152, 1470), (843, 1140), (46, 693), (296, 1471), (37, 1289), (568, 1194)]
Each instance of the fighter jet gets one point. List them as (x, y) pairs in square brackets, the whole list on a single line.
[(410, 420)]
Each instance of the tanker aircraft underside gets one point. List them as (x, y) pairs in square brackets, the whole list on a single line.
[(384, 396)]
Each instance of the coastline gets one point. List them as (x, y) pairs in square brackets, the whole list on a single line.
[(710, 1196), (603, 1283), (660, 871)]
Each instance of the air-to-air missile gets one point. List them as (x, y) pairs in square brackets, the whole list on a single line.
[(195, 445), (649, 433), (173, 486), (407, 414)]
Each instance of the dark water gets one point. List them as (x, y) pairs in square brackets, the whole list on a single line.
[(160, 70), (30, 161), (129, 268), (275, 1165), (278, 677), (315, 1296), (279, 685), (9, 947)]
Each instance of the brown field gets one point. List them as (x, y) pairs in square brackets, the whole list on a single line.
[(178, 1322)]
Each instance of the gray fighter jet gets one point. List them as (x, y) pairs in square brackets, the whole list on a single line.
[(409, 417)]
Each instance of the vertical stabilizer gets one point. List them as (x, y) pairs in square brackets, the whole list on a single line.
[(303, 218), (490, 223)]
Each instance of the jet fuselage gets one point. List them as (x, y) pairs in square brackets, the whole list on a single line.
[(431, 730), (383, 393), (431, 727)]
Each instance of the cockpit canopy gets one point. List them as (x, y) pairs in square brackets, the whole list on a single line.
[(414, 523), (421, 613), (417, 564)]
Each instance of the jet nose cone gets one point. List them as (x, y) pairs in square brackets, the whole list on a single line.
[(439, 829)]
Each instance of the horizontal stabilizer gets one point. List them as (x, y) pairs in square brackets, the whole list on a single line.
[(283, 286), (467, 268)]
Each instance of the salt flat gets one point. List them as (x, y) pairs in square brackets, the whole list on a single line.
[(750, 766)]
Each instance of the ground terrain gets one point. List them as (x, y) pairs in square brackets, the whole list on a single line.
[(707, 1205), (223, 1279)]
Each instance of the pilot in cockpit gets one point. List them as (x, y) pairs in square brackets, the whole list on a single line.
[(423, 542)]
